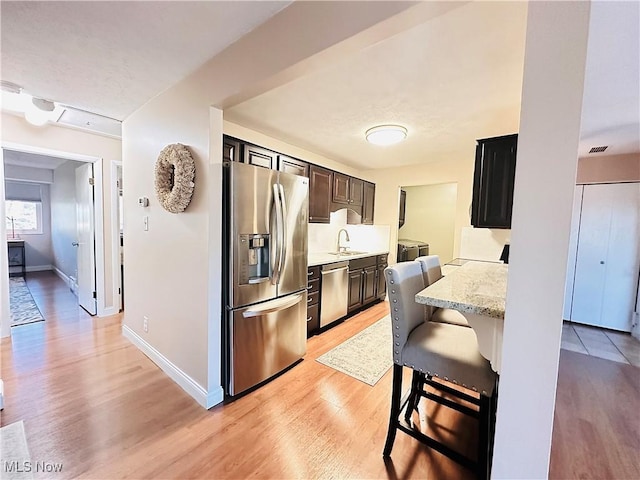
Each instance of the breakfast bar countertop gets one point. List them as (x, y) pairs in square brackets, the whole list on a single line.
[(476, 287)]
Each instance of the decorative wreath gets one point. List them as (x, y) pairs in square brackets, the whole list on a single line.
[(175, 172)]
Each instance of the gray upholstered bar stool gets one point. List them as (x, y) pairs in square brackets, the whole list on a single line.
[(433, 349), (432, 272)]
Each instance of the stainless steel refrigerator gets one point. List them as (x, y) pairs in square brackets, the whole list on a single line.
[(266, 273)]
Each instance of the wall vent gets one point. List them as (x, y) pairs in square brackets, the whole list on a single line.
[(598, 149)]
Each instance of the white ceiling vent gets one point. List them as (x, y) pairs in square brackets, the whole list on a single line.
[(598, 149)]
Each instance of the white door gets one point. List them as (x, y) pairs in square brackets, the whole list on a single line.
[(608, 256), (573, 251), (86, 238)]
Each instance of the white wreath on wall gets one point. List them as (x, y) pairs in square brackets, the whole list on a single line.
[(175, 173)]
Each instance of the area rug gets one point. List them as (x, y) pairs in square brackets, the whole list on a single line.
[(366, 356), (14, 452), (23, 308)]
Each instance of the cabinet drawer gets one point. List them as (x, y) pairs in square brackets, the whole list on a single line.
[(313, 298), (313, 273), (383, 258), (314, 286), (362, 263), (313, 319)]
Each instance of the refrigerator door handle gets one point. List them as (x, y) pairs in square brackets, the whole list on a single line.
[(283, 207), (272, 306), (277, 269)]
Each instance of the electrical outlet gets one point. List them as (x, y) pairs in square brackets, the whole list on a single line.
[(145, 324)]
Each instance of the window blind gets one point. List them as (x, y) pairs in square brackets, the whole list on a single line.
[(26, 192)]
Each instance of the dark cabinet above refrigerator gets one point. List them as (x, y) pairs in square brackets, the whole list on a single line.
[(493, 182)]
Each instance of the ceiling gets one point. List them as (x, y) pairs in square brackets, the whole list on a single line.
[(450, 80), (110, 58)]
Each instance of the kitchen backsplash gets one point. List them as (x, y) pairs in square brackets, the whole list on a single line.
[(483, 243), (368, 238)]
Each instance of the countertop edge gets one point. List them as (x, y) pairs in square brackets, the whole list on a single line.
[(326, 258), (461, 307)]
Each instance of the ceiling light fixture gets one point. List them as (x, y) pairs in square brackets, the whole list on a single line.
[(38, 111), (386, 134)]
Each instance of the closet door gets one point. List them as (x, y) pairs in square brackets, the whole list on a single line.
[(607, 258)]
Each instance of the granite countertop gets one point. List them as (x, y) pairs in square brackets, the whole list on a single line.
[(324, 258), (475, 287)]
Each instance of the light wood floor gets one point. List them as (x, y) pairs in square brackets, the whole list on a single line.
[(92, 401)]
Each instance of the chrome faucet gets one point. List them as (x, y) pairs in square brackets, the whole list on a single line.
[(342, 249)]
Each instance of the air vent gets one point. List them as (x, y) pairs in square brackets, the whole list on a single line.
[(598, 149)]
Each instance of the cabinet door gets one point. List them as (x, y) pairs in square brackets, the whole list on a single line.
[(340, 188), (368, 202), (260, 157), (356, 188), (369, 285), (355, 289), (381, 288), (493, 180), (403, 208), (293, 165), (230, 149), (319, 194)]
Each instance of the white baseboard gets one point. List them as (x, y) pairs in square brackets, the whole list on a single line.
[(38, 268), (62, 275), (188, 384), (70, 281)]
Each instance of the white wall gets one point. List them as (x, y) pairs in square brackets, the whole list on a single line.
[(16, 131), (167, 271), (64, 218), (430, 217), (545, 181), (389, 181)]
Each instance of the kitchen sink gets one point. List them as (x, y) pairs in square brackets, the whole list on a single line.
[(348, 253)]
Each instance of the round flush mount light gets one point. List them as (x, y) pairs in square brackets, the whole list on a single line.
[(386, 134), (38, 111)]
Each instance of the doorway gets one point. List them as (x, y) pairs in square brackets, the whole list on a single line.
[(38, 167), (427, 216)]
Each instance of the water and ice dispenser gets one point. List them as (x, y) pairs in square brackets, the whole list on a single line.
[(253, 257)]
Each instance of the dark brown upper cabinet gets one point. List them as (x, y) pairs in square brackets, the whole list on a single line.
[(493, 182), (231, 149), (293, 165), (320, 183), (368, 202), (260, 157), (347, 191), (356, 191), (340, 191)]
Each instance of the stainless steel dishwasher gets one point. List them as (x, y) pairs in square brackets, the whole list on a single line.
[(334, 296)]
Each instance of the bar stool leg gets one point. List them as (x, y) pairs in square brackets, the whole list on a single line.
[(396, 393)]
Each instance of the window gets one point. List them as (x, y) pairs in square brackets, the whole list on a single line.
[(23, 217)]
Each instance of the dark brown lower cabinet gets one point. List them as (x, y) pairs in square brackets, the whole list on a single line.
[(369, 284), (355, 289), (313, 300), (381, 283)]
